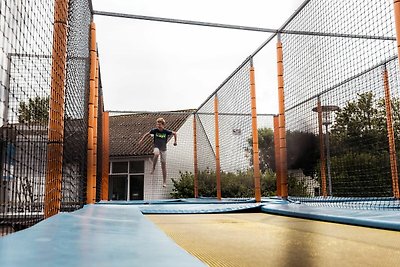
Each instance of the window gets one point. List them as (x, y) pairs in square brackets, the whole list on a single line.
[(117, 187), (119, 167), (136, 187), (136, 166), (124, 185)]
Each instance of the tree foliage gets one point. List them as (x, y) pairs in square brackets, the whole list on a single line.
[(360, 125), (34, 110), (359, 147), (266, 150), (233, 185), (361, 174)]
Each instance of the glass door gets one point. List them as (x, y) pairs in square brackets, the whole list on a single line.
[(136, 185), (117, 187)]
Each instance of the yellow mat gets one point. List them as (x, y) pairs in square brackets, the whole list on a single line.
[(259, 239)]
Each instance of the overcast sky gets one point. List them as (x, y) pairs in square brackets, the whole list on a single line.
[(156, 66)]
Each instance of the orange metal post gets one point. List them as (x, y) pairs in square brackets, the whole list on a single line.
[(217, 159), (196, 169), (256, 163), (392, 147), (321, 148), (105, 156), (277, 156), (91, 171), (396, 7), (282, 125), (52, 199), (95, 127)]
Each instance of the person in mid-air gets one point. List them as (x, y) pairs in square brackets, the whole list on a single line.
[(160, 138)]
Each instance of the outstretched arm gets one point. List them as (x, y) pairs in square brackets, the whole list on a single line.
[(175, 136), (143, 137)]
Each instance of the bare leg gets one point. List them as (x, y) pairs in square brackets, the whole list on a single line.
[(155, 159), (164, 173)]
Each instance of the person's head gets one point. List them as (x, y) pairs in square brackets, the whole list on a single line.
[(160, 124)]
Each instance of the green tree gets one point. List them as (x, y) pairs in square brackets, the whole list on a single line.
[(297, 187), (359, 147), (184, 186), (233, 185), (266, 150), (34, 110), (395, 106), (361, 174), (359, 125)]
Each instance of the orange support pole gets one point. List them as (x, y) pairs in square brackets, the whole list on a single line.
[(256, 160), (195, 165), (217, 159), (392, 146), (95, 127), (321, 149), (396, 7), (105, 156), (282, 125), (91, 161), (277, 157), (52, 199)]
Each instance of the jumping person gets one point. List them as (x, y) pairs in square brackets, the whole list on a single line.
[(160, 138)]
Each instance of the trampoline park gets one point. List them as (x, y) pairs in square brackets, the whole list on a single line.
[(316, 184)]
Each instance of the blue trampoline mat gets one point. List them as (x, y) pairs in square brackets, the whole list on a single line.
[(205, 200), (199, 208), (384, 219), (201, 200), (377, 218), (96, 235), (118, 234)]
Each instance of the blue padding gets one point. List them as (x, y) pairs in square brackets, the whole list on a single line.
[(196, 205), (321, 199), (140, 202), (274, 200), (97, 235), (384, 219), (200, 200), (213, 200), (207, 200), (198, 208)]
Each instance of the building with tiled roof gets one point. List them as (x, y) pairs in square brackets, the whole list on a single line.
[(131, 163)]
